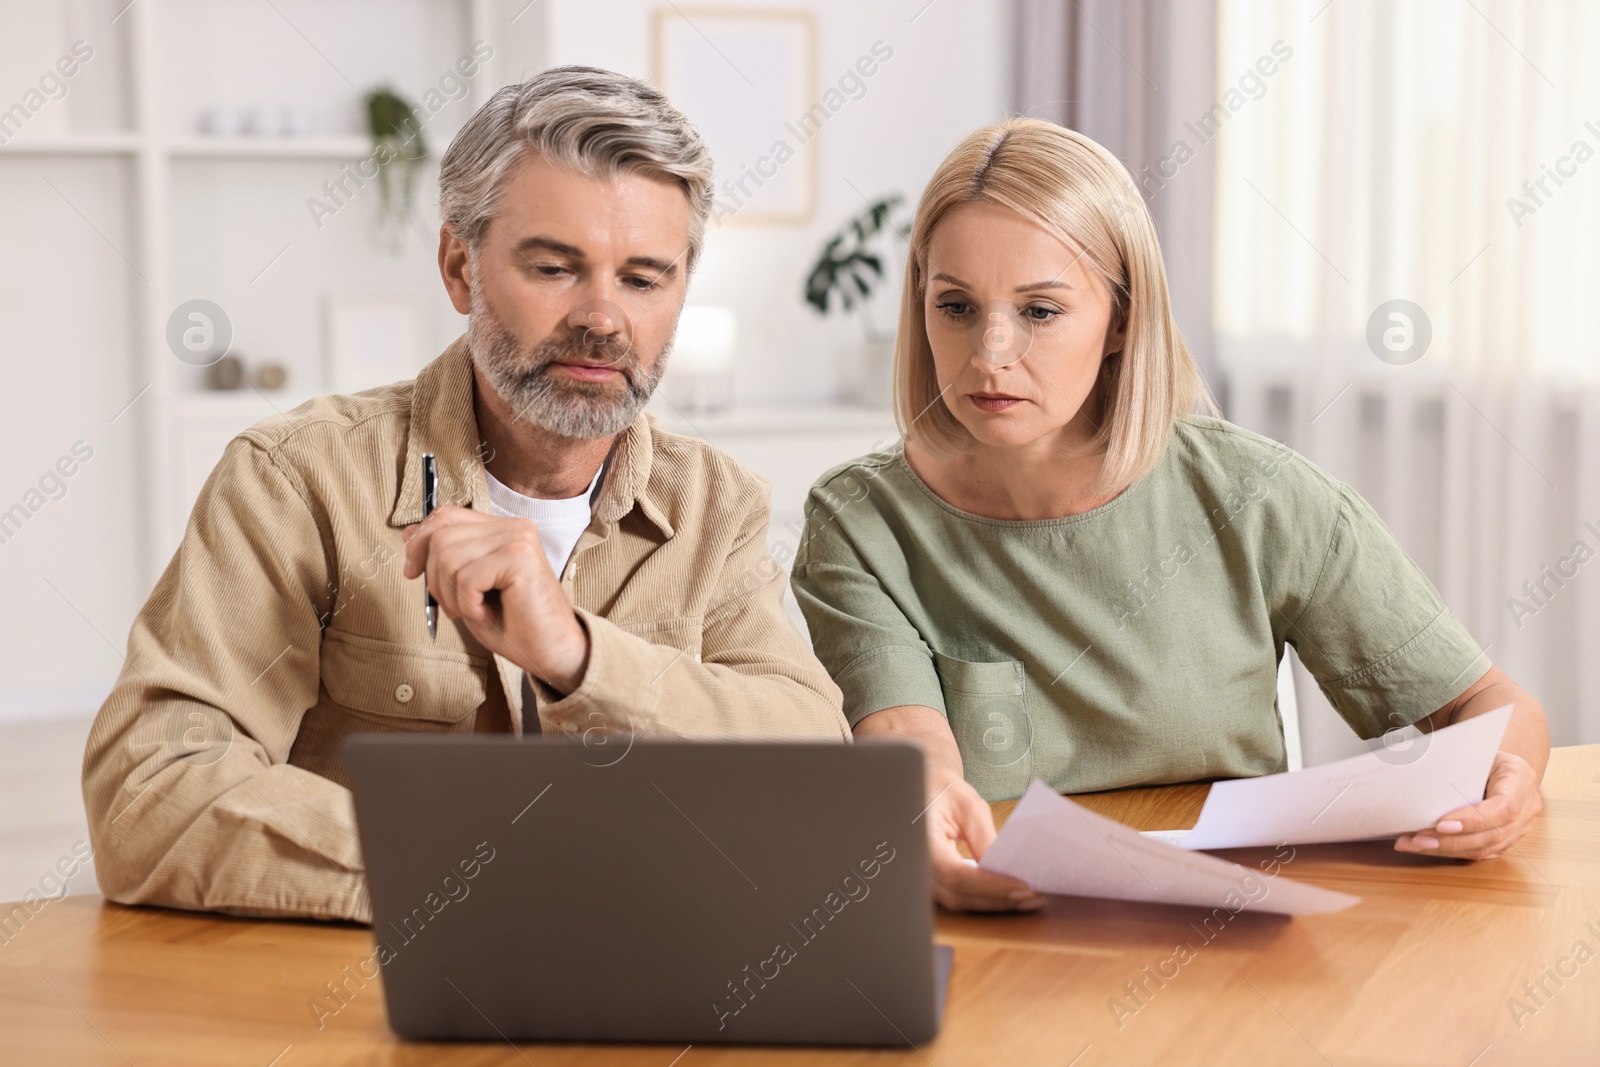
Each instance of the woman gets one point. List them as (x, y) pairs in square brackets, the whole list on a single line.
[(1061, 573)]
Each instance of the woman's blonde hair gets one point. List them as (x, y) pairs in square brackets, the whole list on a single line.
[(1075, 189)]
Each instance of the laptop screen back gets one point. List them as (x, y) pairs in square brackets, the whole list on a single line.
[(743, 893)]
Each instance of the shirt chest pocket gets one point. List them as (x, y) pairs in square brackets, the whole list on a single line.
[(986, 704), (400, 687), (682, 633)]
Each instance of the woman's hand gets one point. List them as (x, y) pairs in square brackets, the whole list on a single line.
[(1511, 798), (956, 815), (1483, 830)]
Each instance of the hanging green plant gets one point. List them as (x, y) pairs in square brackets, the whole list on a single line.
[(397, 145)]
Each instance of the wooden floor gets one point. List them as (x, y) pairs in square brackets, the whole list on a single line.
[(41, 804)]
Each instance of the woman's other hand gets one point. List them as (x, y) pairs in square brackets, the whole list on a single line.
[(1511, 798), (1483, 830)]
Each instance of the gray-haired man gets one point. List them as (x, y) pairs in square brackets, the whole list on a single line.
[(640, 599)]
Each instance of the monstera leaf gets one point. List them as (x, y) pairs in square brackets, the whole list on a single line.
[(849, 269)]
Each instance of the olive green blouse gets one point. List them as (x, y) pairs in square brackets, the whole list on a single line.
[(1137, 643)]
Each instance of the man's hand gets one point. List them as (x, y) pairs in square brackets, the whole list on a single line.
[(1483, 830), (958, 814), (491, 573)]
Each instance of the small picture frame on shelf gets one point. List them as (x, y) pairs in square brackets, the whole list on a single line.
[(373, 339)]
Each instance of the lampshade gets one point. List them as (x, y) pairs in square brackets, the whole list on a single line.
[(705, 340)]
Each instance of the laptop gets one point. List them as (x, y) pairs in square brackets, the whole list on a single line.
[(665, 892)]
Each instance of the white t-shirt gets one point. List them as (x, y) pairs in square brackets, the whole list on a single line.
[(560, 522)]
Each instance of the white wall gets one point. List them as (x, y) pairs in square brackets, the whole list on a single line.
[(69, 575), (948, 74)]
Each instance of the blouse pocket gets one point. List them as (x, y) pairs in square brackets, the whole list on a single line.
[(398, 687), (986, 704)]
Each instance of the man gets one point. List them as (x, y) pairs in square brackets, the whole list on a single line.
[(639, 601)]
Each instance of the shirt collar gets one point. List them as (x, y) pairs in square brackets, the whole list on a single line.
[(443, 422)]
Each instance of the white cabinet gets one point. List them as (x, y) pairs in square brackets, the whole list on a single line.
[(789, 447), (201, 427)]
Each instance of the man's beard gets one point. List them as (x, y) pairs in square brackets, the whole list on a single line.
[(564, 406)]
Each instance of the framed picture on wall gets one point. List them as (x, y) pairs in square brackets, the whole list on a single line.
[(747, 80), (373, 339)]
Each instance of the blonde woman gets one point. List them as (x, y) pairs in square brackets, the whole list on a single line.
[(1062, 573)]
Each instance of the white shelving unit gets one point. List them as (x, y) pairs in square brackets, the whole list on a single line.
[(182, 428), (83, 144), (304, 148)]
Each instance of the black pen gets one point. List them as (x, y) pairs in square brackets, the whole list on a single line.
[(430, 490)]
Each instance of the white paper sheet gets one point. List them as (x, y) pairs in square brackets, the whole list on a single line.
[(1373, 795), (1057, 846)]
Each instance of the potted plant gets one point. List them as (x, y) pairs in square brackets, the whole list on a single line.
[(856, 268)]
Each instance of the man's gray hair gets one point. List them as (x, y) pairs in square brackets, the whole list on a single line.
[(594, 121)]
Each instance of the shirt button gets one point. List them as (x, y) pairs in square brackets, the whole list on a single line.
[(403, 693), (569, 727)]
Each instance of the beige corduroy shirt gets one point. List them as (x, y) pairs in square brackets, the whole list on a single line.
[(283, 625)]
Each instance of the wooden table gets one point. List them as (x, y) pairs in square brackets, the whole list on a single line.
[(1429, 969)]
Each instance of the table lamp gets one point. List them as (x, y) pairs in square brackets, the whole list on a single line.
[(700, 368)]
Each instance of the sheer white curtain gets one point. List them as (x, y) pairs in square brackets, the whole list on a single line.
[(1445, 153)]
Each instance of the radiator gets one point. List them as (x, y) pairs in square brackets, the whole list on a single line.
[(1492, 487)]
